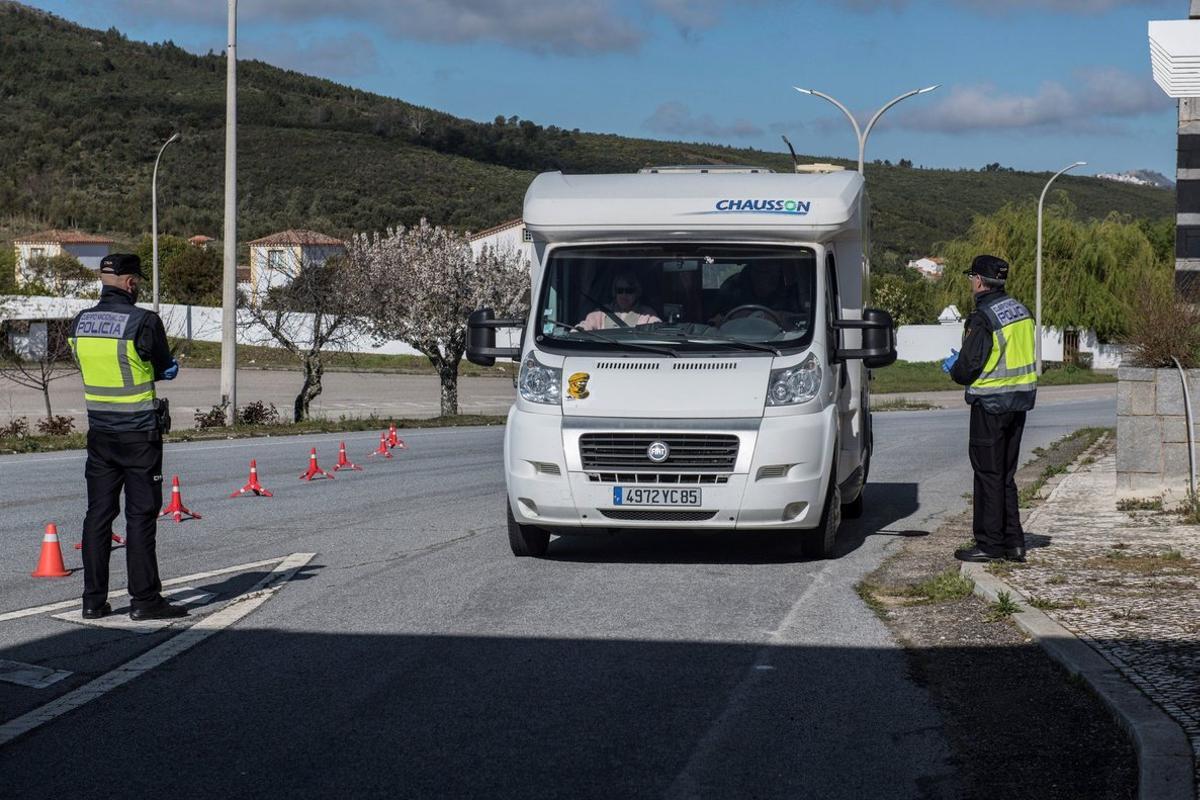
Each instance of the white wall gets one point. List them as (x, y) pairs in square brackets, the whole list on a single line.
[(934, 342), (90, 255)]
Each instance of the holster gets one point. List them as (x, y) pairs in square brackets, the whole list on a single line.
[(162, 410)]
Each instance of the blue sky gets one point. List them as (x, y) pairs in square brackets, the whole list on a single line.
[(1033, 84)]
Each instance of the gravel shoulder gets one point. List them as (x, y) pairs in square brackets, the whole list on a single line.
[(1018, 725)]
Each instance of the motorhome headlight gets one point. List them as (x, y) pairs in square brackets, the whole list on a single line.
[(797, 384), (539, 383)]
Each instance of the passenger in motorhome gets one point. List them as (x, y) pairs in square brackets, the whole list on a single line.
[(624, 305)]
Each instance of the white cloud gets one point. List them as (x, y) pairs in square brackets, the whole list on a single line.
[(579, 27), (1098, 97), (675, 119)]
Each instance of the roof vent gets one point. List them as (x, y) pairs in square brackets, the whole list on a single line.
[(818, 169), (697, 169)]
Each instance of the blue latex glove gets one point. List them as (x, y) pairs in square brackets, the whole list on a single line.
[(949, 361), (170, 372)]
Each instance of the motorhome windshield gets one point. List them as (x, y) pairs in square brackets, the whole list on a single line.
[(679, 296)]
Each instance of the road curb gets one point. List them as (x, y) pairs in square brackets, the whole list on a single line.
[(1165, 759)]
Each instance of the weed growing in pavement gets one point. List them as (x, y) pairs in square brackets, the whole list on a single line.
[(1190, 512), (1057, 580), (1003, 608), (1116, 554), (1088, 461), (1140, 504), (943, 587), (1079, 602), (866, 593), (1128, 614), (1172, 555), (1044, 603), (902, 404)]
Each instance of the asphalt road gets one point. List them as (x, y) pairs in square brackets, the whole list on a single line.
[(414, 657)]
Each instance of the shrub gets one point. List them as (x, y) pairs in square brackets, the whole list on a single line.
[(213, 418), (258, 413), (56, 425), (1163, 327), (17, 429)]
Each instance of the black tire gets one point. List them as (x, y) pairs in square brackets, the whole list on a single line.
[(854, 509), (526, 540), (821, 541)]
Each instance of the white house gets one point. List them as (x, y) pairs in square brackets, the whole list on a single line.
[(928, 267), (276, 259), (950, 316), (86, 247), (510, 235)]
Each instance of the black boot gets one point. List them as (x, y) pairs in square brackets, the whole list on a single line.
[(978, 554)]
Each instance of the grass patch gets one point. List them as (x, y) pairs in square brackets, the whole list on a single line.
[(1056, 580), (941, 588), (1003, 608), (1140, 504), (1144, 563), (78, 441), (903, 404), (207, 355), (927, 376), (1077, 441), (1045, 603)]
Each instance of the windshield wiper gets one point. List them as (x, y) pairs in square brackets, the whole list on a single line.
[(666, 351), (710, 339)]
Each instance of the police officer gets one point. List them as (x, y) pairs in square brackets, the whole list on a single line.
[(122, 350), (996, 365)]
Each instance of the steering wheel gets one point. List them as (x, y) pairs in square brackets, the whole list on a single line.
[(751, 307)]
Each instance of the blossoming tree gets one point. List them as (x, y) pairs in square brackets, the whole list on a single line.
[(421, 283)]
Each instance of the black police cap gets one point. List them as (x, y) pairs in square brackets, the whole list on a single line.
[(988, 267), (121, 264)]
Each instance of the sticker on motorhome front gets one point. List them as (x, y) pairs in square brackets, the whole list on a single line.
[(754, 206)]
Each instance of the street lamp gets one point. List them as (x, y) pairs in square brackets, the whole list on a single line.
[(154, 215), (229, 275), (862, 133), (1037, 314)]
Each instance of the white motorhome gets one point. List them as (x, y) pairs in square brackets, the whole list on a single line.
[(696, 357)]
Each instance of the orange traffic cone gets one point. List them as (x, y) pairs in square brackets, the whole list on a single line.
[(116, 539), (176, 508), (252, 485), (383, 447), (393, 440), (50, 563), (313, 470), (343, 462)]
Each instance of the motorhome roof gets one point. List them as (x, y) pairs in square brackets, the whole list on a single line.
[(777, 206)]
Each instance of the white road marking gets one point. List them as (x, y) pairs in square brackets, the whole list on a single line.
[(188, 638), (77, 603), (195, 600), (30, 675), (708, 750)]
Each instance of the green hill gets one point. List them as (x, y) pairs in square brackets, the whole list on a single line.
[(85, 111)]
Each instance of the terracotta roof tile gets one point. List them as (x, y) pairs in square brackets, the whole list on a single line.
[(301, 237), (62, 237), (503, 226)]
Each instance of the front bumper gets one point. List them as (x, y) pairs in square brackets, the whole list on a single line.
[(778, 482)]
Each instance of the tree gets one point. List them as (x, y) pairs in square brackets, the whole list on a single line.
[(56, 275), (192, 277), (421, 283), (911, 300), (37, 355), (307, 308), (8, 267)]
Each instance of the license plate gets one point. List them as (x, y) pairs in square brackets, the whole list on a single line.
[(644, 496)]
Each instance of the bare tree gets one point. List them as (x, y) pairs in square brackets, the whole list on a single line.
[(421, 283), (306, 307), (35, 354)]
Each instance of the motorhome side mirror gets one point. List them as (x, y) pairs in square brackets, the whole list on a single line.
[(481, 338), (878, 338)]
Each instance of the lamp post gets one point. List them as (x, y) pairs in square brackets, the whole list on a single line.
[(1037, 314), (863, 133), (154, 217), (229, 276)]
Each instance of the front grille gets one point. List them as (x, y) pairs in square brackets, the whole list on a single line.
[(688, 478), (657, 516), (689, 451)]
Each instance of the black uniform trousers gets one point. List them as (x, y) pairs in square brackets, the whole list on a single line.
[(995, 454), (133, 462)]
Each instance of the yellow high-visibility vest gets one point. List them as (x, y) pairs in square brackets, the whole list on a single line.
[(1009, 378), (115, 378)]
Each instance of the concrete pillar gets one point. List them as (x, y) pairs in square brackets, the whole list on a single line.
[(1187, 193)]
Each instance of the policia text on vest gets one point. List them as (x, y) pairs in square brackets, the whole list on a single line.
[(122, 350), (997, 367)]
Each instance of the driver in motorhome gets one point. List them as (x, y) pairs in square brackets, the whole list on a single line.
[(626, 291), (758, 284)]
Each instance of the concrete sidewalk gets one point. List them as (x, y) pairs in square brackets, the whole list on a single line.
[(1127, 583), (352, 394), (1046, 394)]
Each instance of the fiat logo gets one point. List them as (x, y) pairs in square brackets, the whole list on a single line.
[(658, 452)]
